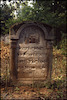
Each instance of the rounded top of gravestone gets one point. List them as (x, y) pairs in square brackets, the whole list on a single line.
[(18, 27)]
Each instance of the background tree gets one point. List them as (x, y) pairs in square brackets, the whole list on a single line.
[(52, 13), (5, 14)]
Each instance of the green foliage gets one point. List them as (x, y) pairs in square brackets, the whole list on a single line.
[(51, 12), (25, 13), (59, 94), (17, 89), (63, 44), (4, 16)]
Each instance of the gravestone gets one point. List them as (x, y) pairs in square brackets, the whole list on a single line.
[(31, 45)]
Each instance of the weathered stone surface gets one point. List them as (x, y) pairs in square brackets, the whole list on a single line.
[(32, 46)]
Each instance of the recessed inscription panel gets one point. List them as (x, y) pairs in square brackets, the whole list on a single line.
[(32, 54)]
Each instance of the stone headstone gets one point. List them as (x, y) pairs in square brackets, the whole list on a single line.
[(31, 51)]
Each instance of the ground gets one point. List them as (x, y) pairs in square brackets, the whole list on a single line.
[(56, 89)]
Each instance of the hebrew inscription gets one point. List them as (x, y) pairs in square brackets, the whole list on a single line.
[(32, 54)]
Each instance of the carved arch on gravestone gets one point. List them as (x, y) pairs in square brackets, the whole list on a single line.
[(16, 35)]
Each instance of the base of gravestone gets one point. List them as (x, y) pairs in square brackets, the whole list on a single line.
[(33, 84)]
